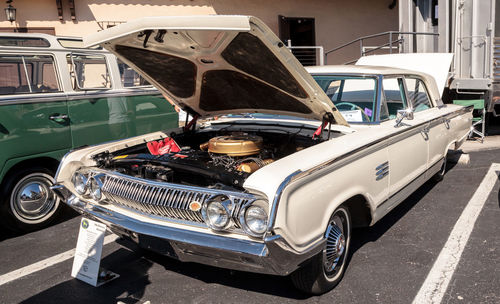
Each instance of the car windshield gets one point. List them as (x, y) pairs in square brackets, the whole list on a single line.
[(354, 96)]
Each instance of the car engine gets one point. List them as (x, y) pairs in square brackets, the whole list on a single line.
[(207, 159)]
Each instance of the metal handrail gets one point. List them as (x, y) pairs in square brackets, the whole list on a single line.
[(390, 43)]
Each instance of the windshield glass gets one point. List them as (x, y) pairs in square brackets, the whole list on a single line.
[(354, 96)]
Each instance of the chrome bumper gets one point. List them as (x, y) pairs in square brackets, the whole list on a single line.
[(273, 255)]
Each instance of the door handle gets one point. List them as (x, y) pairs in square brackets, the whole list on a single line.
[(425, 133), (447, 123), (58, 117)]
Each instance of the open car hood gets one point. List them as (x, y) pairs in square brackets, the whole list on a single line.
[(213, 65)]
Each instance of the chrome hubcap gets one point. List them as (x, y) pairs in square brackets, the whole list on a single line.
[(335, 247), (32, 199)]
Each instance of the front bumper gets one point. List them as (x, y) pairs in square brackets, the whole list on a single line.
[(273, 255)]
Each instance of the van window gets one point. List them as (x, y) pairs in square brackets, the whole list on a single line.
[(129, 77), (27, 74), (89, 71)]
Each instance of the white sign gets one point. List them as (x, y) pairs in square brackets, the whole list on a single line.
[(353, 115), (88, 251)]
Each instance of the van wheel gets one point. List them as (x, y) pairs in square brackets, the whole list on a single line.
[(325, 270), (28, 203)]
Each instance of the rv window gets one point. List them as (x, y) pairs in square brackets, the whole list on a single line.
[(89, 72), (129, 77), (27, 74), (24, 42)]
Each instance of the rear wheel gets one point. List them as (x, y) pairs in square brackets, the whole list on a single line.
[(28, 203), (325, 270), (440, 174)]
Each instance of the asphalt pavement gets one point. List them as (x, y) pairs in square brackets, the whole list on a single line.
[(389, 262)]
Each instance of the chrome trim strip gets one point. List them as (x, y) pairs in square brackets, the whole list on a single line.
[(375, 142), (61, 96), (297, 175), (277, 198)]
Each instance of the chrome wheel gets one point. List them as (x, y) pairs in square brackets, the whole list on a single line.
[(31, 199), (325, 270), (337, 234), (335, 246)]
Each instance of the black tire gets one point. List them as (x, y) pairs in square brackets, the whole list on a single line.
[(440, 174), (325, 270), (27, 203)]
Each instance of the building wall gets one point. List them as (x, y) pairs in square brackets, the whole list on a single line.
[(336, 21)]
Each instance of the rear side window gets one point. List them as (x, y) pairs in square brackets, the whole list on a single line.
[(28, 74), (129, 77), (417, 94), (89, 71)]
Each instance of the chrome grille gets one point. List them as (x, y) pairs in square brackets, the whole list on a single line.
[(162, 199)]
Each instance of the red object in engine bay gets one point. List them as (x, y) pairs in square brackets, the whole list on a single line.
[(161, 147)]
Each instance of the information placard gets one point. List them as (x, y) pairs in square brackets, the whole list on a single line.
[(88, 251)]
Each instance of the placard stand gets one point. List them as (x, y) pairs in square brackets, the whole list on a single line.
[(88, 255)]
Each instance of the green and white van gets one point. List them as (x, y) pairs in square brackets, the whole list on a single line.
[(56, 96)]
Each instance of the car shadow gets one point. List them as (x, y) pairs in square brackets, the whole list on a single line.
[(248, 281), (129, 288), (67, 214), (362, 236)]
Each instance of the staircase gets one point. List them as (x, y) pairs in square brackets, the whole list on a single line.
[(496, 61)]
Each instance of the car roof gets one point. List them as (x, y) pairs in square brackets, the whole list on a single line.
[(361, 69)]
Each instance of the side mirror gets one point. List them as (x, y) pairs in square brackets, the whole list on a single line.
[(402, 114)]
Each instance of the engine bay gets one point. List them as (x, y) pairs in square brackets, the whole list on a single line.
[(219, 159)]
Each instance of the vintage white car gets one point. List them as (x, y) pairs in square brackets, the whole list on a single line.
[(294, 161)]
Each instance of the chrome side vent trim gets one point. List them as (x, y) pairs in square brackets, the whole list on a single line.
[(382, 170)]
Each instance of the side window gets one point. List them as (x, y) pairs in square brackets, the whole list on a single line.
[(129, 77), (89, 71), (417, 94), (394, 98), (27, 74)]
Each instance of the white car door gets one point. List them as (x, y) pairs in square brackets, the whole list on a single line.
[(439, 129), (408, 148)]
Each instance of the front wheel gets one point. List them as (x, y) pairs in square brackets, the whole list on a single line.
[(325, 270), (28, 203)]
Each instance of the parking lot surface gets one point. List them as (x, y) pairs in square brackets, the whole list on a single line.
[(389, 262)]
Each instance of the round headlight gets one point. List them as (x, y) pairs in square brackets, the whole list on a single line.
[(80, 183), (95, 189), (217, 216), (256, 219)]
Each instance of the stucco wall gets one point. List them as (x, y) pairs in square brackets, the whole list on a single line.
[(336, 21)]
